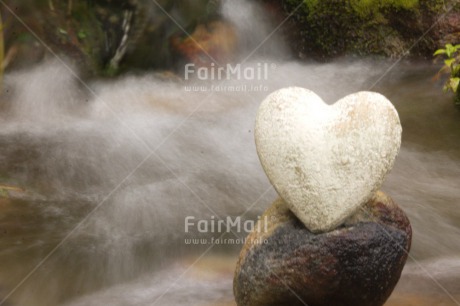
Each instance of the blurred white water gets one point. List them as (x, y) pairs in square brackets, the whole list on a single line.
[(75, 148)]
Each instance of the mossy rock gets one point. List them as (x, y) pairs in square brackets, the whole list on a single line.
[(90, 33), (391, 28)]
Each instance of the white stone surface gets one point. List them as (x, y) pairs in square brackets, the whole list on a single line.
[(324, 160)]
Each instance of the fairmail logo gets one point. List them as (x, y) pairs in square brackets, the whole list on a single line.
[(227, 225), (256, 72)]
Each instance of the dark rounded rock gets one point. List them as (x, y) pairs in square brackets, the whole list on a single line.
[(358, 264)]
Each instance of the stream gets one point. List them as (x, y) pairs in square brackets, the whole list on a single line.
[(107, 171)]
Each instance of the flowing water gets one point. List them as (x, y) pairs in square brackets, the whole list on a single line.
[(109, 171)]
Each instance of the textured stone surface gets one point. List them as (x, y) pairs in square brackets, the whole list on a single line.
[(358, 264), (394, 28), (326, 161)]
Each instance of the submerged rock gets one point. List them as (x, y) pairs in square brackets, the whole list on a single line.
[(357, 264)]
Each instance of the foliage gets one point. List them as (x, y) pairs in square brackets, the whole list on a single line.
[(451, 67)]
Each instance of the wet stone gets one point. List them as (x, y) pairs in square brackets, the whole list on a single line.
[(357, 264)]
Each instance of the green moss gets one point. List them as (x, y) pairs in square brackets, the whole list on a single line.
[(374, 7), (310, 5), (362, 8), (387, 27)]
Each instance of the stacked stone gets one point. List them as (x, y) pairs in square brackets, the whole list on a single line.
[(332, 237)]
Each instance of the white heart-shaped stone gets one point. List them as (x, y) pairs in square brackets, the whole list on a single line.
[(326, 161)]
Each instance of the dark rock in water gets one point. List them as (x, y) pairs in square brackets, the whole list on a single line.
[(358, 264)]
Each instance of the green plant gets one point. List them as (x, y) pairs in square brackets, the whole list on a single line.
[(451, 67)]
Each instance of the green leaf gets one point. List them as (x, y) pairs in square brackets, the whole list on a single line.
[(453, 83), (455, 69), (450, 50), (449, 62), (439, 51)]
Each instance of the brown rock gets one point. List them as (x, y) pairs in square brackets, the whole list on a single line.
[(357, 264)]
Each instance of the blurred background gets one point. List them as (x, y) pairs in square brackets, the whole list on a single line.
[(106, 147)]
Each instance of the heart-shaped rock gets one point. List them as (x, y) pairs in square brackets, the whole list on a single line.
[(326, 161)]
